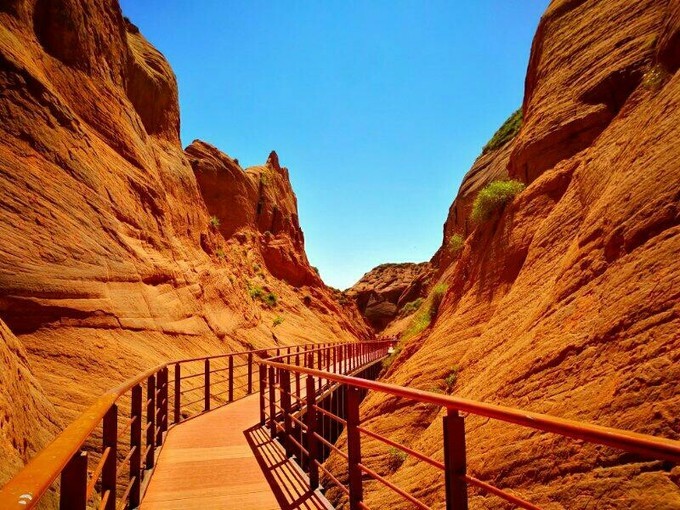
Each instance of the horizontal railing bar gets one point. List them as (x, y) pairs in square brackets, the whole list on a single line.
[(405, 449), (658, 448), (124, 461), (298, 421), (330, 445), (340, 486), (302, 448), (97, 471), (393, 487), (123, 499), (191, 389), (185, 377), (330, 415), (105, 499), (500, 493)]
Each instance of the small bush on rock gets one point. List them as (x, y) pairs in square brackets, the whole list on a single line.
[(493, 198), (456, 244), (278, 320), (396, 458), (451, 378), (214, 222), (411, 306), (505, 133)]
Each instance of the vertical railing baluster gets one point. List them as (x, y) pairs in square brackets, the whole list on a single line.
[(231, 378), (164, 403), (297, 375), (136, 443), (150, 421), (110, 441), (312, 442), (159, 408), (206, 380), (285, 405), (263, 385), (178, 393), (250, 373), (354, 448), (272, 403), (455, 461), (73, 492)]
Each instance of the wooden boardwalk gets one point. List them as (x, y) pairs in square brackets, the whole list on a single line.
[(220, 460)]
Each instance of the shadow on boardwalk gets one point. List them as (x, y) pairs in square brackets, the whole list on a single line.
[(287, 481)]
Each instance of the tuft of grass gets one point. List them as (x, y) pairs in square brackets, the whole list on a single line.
[(220, 253), (277, 320), (655, 77), (256, 292), (214, 222), (493, 198), (455, 245), (396, 458), (451, 378), (422, 319), (412, 306), (270, 299), (505, 133), (315, 269)]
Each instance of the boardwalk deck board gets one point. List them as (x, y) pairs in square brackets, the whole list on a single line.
[(219, 461)]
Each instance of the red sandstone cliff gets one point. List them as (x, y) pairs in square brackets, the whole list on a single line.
[(567, 301), (109, 262)]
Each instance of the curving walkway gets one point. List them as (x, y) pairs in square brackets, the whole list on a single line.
[(218, 460)]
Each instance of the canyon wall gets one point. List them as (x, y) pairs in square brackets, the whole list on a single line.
[(567, 301), (111, 259)]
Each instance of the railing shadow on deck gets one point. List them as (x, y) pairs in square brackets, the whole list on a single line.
[(288, 483)]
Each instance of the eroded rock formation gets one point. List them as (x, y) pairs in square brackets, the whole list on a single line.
[(568, 301), (110, 263)]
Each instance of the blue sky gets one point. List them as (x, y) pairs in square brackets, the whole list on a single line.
[(378, 108)]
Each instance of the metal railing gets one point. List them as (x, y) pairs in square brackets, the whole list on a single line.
[(104, 458), (294, 418)]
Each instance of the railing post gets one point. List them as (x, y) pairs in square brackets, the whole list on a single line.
[(272, 403), (110, 441), (285, 405), (312, 444), (263, 386), (73, 494), (206, 379), (354, 448), (178, 392), (318, 360), (250, 373), (164, 403), (297, 375), (159, 408), (455, 461), (150, 421), (231, 378), (136, 443)]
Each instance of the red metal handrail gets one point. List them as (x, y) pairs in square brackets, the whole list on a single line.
[(454, 434), (63, 455)]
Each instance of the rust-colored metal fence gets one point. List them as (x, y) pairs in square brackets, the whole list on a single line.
[(294, 418), (104, 457)]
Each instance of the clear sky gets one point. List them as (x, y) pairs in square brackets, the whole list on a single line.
[(378, 108)]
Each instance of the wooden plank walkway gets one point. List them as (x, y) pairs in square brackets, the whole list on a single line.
[(219, 460)]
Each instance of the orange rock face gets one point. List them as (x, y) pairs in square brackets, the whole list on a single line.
[(568, 301), (109, 261), (384, 290)]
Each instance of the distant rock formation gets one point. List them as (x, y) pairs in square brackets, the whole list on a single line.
[(384, 290)]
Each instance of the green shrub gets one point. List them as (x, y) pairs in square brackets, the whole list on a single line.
[(505, 133), (451, 378), (655, 77), (396, 458), (493, 197), (436, 298), (278, 320), (220, 253), (255, 291), (315, 269), (456, 244), (423, 317), (270, 300), (411, 306), (214, 222)]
